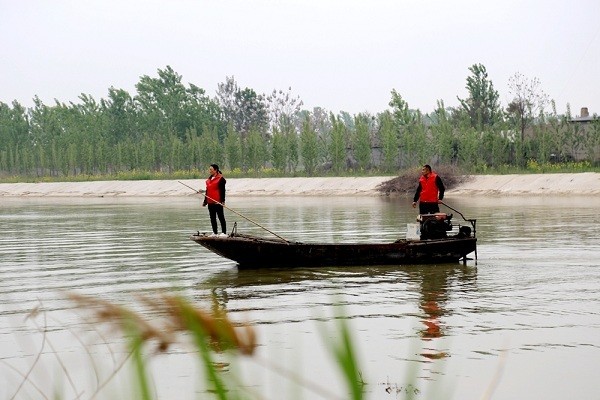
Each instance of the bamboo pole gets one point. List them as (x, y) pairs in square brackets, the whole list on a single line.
[(233, 211)]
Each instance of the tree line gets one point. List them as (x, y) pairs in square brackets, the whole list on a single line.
[(167, 126)]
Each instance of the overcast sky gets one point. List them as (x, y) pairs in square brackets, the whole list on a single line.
[(338, 54)]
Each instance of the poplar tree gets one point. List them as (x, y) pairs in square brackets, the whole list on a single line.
[(481, 106), (309, 146)]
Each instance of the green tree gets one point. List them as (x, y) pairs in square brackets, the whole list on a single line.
[(122, 114), (257, 150), (233, 148), (389, 141), (415, 144), (482, 106), (406, 124), (14, 125), (279, 150), (293, 150), (592, 141), (401, 114), (556, 128), (361, 141), (287, 128), (442, 135), (211, 151), (309, 146), (16, 144), (469, 147), (149, 156), (166, 105), (337, 147), (573, 136)]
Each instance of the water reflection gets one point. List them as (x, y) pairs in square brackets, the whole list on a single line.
[(393, 288), (436, 286)]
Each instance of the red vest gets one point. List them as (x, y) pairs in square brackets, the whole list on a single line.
[(212, 190), (429, 189)]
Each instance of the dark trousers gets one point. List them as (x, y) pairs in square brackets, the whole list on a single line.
[(428, 208), (216, 210)]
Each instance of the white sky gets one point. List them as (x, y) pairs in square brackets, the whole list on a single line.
[(338, 54)]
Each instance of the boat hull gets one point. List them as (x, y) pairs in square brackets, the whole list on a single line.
[(257, 252)]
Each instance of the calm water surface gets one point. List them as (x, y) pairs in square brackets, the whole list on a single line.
[(522, 322)]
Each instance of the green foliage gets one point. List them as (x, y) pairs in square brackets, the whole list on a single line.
[(293, 150), (416, 146), (361, 141), (279, 151), (468, 152), (167, 126), (401, 114), (14, 125), (211, 149), (591, 141), (165, 105), (389, 142), (337, 146), (233, 148), (256, 153), (309, 146), (482, 106)]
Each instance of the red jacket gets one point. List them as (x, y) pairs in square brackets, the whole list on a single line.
[(215, 189), (430, 190)]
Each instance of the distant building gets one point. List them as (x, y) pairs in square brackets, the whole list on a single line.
[(585, 116), (584, 120)]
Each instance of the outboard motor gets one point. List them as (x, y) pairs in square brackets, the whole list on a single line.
[(464, 232), (435, 226)]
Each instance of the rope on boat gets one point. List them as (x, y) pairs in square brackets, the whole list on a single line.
[(233, 211)]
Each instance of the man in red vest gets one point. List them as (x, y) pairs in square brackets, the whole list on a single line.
[(215, 197), (429, 192)]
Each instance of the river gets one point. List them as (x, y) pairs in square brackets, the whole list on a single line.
[(523, 321)]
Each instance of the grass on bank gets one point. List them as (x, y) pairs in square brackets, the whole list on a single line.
[(446, 171)]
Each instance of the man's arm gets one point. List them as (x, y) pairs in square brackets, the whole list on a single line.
[(441, 188), (417, 193)]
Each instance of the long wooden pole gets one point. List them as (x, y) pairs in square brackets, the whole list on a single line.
[(233, 211)]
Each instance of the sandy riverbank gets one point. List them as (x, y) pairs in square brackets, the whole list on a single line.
[(487, 185)]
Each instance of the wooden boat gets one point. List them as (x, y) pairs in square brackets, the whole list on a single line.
[(259, 252)]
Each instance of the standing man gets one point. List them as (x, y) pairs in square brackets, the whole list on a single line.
[(429, 192), (215, 197)]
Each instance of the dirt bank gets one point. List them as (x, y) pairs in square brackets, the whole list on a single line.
[(485, 185)]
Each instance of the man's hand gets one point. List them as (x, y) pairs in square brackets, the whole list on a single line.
[(414, 204)]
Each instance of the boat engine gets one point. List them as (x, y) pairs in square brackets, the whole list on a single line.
[(435, 226)]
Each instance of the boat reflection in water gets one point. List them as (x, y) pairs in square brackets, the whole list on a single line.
[(291, 296)]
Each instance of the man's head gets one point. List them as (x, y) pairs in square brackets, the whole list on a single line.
[(426, 170)]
